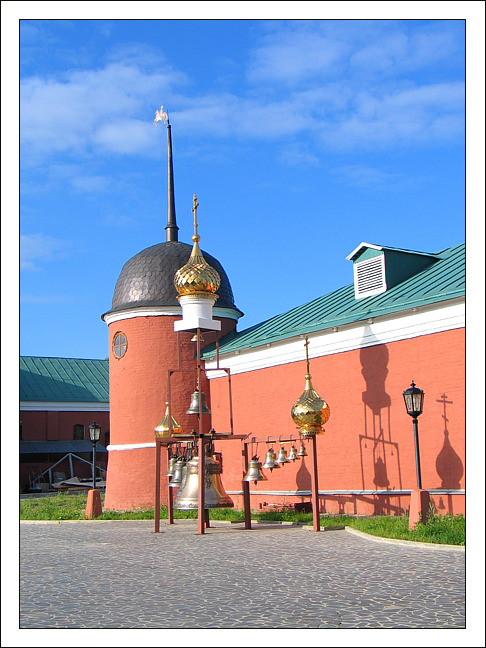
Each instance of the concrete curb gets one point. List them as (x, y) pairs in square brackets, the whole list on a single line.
[(409, 543)]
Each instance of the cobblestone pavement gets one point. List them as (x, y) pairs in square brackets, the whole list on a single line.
[(118, 574)]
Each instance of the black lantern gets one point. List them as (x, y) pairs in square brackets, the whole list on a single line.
[(94, 436), (414, 402)]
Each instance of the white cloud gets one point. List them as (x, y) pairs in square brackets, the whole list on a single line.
[(37, 248), (368, 177), (77, 112), (46, 299), (291, 57), (343, 85)]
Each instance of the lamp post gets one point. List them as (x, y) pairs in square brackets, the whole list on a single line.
[(94, 436), (420, 500), (414, 402), (93, 505)]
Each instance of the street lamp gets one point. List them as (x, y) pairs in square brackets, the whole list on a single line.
[(94, 436), (414, 402)]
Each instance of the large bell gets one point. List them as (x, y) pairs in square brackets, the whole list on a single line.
[(270, 460), (254, 473), (214, 493), (180, 470), (282, 456), (194, 406)]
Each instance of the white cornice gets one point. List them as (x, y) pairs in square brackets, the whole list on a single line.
[(158, 311), (393, 327), (130, 446), (42, 406)]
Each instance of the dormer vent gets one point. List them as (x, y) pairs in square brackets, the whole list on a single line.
[(369, 277), (378, 268)]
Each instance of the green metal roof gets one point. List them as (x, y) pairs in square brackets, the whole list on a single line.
[(443, 280), (63, 380)]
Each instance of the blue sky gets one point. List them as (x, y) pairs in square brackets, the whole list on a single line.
[(301, 139)]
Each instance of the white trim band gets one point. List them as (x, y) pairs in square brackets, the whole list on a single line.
[(130, 446), (40, 406), (414, 322), (158, 311)]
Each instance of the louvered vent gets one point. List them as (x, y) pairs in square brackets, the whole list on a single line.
[(369, 277)]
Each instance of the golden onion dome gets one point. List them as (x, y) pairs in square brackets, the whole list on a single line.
[(163, 429), (196, 276), (311, 411)]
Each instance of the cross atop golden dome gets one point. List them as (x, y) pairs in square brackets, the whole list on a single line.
[(310, 412), (196, 277)]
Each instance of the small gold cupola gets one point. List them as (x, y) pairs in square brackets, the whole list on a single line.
[(197, 276), (196, 284), (310, 412), (163, 428)]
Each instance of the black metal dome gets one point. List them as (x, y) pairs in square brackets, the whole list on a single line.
[(147, 279)]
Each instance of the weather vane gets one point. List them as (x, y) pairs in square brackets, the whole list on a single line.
[(162, 116)]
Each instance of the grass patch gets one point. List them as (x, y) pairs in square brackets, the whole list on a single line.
[(440, 529)]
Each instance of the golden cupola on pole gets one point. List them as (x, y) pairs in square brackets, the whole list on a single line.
[(163, 428), (310, 412), (196, 284)]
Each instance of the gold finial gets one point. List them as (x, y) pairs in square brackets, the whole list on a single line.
[(196, 238), (306, 344)]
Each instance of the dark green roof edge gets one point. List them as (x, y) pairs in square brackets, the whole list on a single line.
[(439, 282)]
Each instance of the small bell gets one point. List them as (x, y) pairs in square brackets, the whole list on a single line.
[(282, 456), (194, 406), (293, 454), (270, 460), (254, 473), (302, 451), (178, 477), (172, 463)]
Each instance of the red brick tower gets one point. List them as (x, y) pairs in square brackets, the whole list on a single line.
[(143, 346)]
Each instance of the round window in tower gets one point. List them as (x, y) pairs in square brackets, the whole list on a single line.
[(119, 345)]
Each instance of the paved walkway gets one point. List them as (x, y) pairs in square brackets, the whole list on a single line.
[(118, 574)]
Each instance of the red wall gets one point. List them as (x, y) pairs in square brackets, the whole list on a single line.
[(138, 393), (368, 441), (58, 426)]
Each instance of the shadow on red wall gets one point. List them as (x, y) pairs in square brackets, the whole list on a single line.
[(379, 454), (448, 463)]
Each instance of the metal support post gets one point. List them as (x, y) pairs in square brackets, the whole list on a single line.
[(417, 453), (200, 444), (314, 484), (246, 489), (170, 498), (157, 487)]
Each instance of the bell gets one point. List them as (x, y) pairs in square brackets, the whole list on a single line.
[(282, 456), (302, 451), (179, 474), (293, 454), (270, 460), (194, 406), (214, 493), (254, 473), (172, 463)]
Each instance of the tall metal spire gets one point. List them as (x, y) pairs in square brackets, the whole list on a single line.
[(171, 229)]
